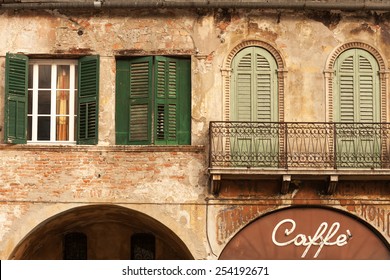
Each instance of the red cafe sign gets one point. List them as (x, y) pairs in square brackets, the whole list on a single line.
[(307, 233)]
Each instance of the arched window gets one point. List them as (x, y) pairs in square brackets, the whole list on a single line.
[(254, 86), (356, 83), (143, 246), (75, 246), (356, 88), (254, 104)]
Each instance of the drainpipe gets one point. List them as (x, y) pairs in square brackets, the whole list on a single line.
[(284, 4)]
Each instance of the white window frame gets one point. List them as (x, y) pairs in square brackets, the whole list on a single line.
[(53, 92)]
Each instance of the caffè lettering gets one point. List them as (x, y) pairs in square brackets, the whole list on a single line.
[(326, 235)]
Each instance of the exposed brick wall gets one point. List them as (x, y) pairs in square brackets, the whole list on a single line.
[(117, 174)]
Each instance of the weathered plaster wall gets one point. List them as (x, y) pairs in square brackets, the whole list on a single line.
[(304, 39), (171, 186)]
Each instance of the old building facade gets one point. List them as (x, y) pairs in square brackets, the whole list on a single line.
[(194, 130)]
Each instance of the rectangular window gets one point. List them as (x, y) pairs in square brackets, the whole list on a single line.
[(51, 101), (153, 101)]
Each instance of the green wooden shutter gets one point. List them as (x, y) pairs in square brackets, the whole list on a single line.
[(357, 87), (254, 86), (122, 94), (357, 100), (266, 101), (242, 87), (172, 101), (368, 96), (347, 91), (184, 127), (166, 101), (16, 79), (140, 100), (88, 97), (254, 99)]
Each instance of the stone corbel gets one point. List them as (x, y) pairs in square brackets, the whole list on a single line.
[(215, 184), (332, 184), (285, 184)]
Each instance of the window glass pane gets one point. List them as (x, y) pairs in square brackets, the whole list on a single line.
[(30, 76), (44, 76), (43, 128), (44, 102), (62, 102), (76, 78), (30, 98), (63, 76), (29, 128), (143, 246), (62, 128), (75, 246)]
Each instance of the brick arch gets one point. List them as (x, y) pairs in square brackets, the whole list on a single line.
[(329, 69), (227, 69)]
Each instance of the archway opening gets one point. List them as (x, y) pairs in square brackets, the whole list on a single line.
[(108, 230)]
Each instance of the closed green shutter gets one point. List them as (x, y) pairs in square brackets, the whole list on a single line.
[(357, 100), (172, 101), (16, 78), (88, 96), (153, 94), (243, 88), (254, 99), (140, 100), (368, 99), (357, 87), (265, 102), (254, 86)]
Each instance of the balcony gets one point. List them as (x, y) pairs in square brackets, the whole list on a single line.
[(330, 151)]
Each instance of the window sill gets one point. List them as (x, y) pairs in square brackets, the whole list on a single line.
[(97, 148)]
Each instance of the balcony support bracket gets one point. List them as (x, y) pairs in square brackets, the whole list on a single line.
[(332, 184), (215, 184), (285, 184)]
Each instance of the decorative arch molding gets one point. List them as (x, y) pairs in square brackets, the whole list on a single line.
[(226, 71), (329, 69)]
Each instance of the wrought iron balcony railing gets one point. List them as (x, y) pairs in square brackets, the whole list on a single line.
[(288, 145)]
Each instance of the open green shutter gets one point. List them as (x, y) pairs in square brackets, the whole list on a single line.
[(88, 97), (140, 96), (16, 78), (122, 102), (184, 127)]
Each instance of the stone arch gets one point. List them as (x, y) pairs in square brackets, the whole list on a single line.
[(226, 74), (45, 240), (329, 69)]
